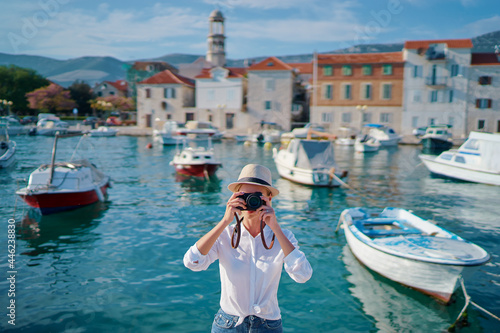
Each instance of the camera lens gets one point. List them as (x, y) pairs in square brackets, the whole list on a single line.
[(254, 201)]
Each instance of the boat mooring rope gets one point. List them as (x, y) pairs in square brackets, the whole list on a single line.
[(467, 302)]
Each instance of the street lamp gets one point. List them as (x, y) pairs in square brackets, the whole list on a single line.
[(5, 103), (362, 109)]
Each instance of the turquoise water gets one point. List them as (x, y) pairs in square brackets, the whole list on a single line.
[(117, 266)]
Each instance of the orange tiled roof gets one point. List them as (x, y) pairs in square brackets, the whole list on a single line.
[(361, 58), (167, 77), (484, 59), (451, 43), (270, 64), (119, 84), (234, 72), (303, 68)]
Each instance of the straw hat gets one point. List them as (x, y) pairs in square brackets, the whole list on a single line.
[(255, 174)]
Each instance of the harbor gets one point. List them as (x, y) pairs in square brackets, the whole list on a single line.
[(117, 265)]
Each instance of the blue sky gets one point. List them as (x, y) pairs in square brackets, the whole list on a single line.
[(130, 30)]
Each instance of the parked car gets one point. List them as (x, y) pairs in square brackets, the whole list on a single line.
[(29, 120), (94, 122), (113, 121)]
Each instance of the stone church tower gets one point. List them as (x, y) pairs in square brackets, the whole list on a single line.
[(216, 53)]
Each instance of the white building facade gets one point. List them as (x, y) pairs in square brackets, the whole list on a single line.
[(483, 103), (164, 96), (436, 84), (220, 94)]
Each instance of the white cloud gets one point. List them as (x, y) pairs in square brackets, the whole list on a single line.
[(261, 4), (481, 26), (113, 32)]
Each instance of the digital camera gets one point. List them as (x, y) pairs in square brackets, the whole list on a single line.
[(252, 200)]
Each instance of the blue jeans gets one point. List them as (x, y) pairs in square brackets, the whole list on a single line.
[(224, 323)]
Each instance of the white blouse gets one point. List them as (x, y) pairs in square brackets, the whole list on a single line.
[(250, 274)]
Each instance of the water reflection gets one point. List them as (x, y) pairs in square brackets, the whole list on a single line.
[(51, 233), (394, 307), (194, 184)]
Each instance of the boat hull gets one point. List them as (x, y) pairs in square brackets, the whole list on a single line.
[(198, 170), (9, 156), (459, 172), (308, 177), (439, 281), (435, 144), (50, 202)]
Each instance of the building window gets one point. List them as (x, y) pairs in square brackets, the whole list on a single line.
[(386, 69), (432, 121), (483, 103), (230, 95), (327, 91), (164, 106), (367, 70), (327, 117), (169, 116), (267, 105), (451, 121), (387, 91), (454, 70), (347, 91), (484, 80), (385, 117), (367, 117), (189, 116), (417, 96), (414, 122), (169, 92), (346, 70), (367, 91), (481, 124), (148, 93), (450, 96), (269, 84), (327, 71), (346, 117), (417, 71), (433, 96), (111, 92), (210, 95)]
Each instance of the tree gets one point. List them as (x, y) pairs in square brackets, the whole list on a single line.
[(15, 82), (114, 102), (82, 94), (51, 98)]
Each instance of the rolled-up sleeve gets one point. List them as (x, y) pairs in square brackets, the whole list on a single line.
[(296, 264), (195, 261)]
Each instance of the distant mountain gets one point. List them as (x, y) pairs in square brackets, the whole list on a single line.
[(98, 69), (65, 72), (486, 43)]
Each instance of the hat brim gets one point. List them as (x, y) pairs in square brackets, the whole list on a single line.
[(232, 187)]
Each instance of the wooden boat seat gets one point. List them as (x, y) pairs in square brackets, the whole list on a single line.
[(384, 227)]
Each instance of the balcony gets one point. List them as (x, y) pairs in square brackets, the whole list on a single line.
[(436, 54), (436, 81)]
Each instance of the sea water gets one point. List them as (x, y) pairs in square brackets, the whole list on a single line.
[(117, 266)]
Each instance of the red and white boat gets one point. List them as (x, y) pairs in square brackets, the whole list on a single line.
[(196, 161), (63, 186)]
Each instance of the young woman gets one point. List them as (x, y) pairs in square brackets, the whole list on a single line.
[(250, 261)]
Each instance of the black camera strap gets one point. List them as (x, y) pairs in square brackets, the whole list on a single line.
[(237, 231)]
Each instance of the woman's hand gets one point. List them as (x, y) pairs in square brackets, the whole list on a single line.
[(267, 214), (232, 207)]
